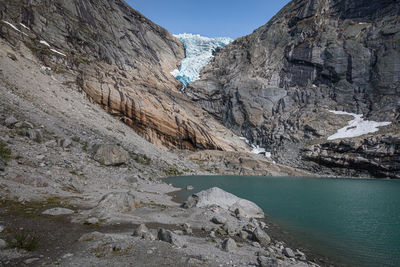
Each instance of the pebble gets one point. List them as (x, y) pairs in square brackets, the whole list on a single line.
[(288, 252), (3, 244), (31, 260), (1, 228), (92, 221)]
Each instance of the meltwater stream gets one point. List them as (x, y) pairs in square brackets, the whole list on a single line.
[(354, 222)]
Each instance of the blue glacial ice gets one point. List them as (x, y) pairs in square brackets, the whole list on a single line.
[(199, 51)]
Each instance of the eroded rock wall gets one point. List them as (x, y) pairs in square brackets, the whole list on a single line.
[(275, 85), (121, 60)]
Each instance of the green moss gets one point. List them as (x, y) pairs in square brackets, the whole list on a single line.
[(5, 152), (143, 159)]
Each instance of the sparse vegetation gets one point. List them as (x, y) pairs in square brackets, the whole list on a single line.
[(5, 152), (172, 171), (76, 139), (143, 159), (85, 146), (24, 239)]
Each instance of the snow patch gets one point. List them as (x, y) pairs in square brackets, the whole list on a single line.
[(12, 26), (23, 25), (256, 149), (199, 51), (356, 127), (45, 43), (58, 52)]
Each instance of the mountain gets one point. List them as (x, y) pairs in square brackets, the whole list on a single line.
[(122, 61), (277, 85)]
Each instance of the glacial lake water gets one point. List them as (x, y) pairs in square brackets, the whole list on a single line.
[(355, 222)]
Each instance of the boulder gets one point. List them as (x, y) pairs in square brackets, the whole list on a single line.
[(219, 219), (10, 121), (58, 211), (261, 237), (141, 230), (170, 237), (229, 245), (117, 202), (225, 200), (288, 252), (110, 155)]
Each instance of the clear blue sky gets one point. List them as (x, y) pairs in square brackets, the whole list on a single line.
[(212, 18)]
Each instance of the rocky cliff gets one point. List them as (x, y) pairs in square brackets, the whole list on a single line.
[(276, 85), (121, 60)]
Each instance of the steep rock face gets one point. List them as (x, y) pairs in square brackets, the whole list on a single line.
[(275, 85), (121, 60)]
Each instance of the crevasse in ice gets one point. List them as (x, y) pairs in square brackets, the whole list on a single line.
[(199, 51)]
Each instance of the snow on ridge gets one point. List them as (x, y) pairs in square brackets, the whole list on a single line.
[(45, 43), (199, 51), (23, 25), (58, 52), (356, 127), (12, 26)]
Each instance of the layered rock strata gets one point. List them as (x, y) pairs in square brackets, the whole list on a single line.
[(275, 85)]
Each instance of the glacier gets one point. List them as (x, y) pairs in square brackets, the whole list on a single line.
[(199, 50)]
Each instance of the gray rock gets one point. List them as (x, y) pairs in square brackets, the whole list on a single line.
[(10, 121), (117, 202), (267, 262), (12, 56), (187, 229), (110, 155), (261, 237), (240, 213), (64, 142), (31, 260), (170, 237), (229, 245), (1, 228), (92, 221), (3, 244), (288, 252), (225, 200), (2, 166), (148, 236), (243, 235), (219, 219), (142, 229), (91, 236), (35, 135), (58, 211), (24, 124)]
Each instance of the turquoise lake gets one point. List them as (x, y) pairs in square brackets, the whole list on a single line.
[(355, 222)]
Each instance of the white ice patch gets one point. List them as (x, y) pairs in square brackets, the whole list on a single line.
[(58, 52), (12, 26), (199, 51), (356, 127), (45, 43)]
